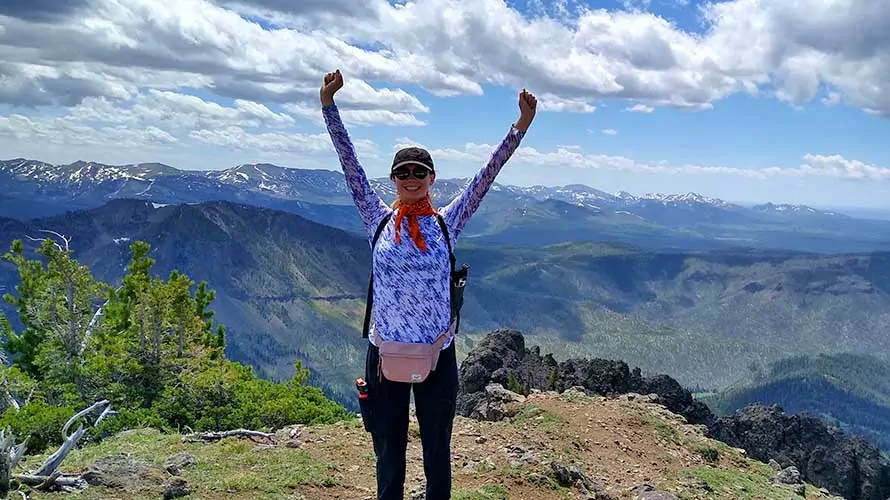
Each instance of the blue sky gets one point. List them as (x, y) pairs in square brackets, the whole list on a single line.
[(644, 96)]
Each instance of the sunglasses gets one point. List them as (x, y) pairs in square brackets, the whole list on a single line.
[(403, 173)]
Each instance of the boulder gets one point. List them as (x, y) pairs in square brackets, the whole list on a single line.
[(819, 453)]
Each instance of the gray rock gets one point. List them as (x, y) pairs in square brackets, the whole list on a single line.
[(175, 463), (417, 493), (177, 487), (480, 466), (520, 455), (788, 475), (571, 476), (502, 356), (648, 492), (121, 471), (489, 404), (824, 455)]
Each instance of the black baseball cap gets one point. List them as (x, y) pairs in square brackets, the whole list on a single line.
[(418, 156)]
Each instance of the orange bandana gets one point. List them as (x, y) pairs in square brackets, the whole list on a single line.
[(411, 211)]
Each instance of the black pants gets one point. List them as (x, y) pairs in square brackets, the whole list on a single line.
[(386, 417)]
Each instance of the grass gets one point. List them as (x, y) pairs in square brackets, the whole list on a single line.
[(731, 483), (532, 415), (665, 430), (260, 472), (709, 453)]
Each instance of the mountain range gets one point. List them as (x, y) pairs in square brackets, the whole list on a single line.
[(708, 291), (537, 215), (290, 287)]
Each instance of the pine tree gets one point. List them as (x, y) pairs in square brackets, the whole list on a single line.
[(58, 306), (149, 346)]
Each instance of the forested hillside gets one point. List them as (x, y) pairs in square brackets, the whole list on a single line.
[(852, 391), (288, 288)]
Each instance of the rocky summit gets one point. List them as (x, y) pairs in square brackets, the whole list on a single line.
[(545, 446), (528, 426), (819, 453)]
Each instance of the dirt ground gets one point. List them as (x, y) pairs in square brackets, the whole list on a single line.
[(620, 444), (623, 448)]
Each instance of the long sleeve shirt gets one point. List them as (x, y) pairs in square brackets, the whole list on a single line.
[(412, 301)]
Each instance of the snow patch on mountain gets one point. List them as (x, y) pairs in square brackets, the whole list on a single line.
[(793, 209), (146, 180)]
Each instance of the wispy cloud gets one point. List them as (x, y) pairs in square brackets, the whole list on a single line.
[(640, 108), (834, 166)]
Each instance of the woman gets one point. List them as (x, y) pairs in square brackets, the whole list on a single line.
[(411, 292)]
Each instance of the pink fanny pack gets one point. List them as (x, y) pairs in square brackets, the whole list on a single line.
[(410, 362)]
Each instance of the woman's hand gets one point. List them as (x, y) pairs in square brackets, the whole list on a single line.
[(528, 105), (332, 83)]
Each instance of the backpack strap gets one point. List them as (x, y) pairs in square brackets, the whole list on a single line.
[(447, 239), (370, 300)]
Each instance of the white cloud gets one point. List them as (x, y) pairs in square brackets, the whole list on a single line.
[(640, 108), (147, 72), (361, 117), (805, 44), (842, 168), (567, 52), (275, 142), (550, 102), (158, 119), (175, 111), (834, 166), (610, 131), (65, 131)]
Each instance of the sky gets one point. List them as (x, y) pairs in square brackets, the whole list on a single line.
[(745, 100)]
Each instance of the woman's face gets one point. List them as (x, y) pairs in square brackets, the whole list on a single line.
[(412, 182)]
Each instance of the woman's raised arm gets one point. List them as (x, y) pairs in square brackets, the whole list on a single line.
[(459, 211), (370, 206)]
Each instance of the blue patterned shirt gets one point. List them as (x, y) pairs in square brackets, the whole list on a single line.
[(412, 301)]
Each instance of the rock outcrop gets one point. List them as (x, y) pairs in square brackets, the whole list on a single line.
[(822, 455), (502, 358)]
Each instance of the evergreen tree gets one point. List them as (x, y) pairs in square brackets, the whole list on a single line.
[(149, 346)]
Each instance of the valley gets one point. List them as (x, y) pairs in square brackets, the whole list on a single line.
[(287, 287), (708, 292)]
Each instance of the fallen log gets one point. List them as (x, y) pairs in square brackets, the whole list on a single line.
[(217, 435), (46, 482)]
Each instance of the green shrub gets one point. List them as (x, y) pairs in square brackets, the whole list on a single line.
[(39, 422)]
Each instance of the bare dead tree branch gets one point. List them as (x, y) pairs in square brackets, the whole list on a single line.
[(18, 451), (10, 455), (217, 435), (11, 402), (94, 321), (48, 476), (46, 482), (6, 442), (64, 239), (53, 462)]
